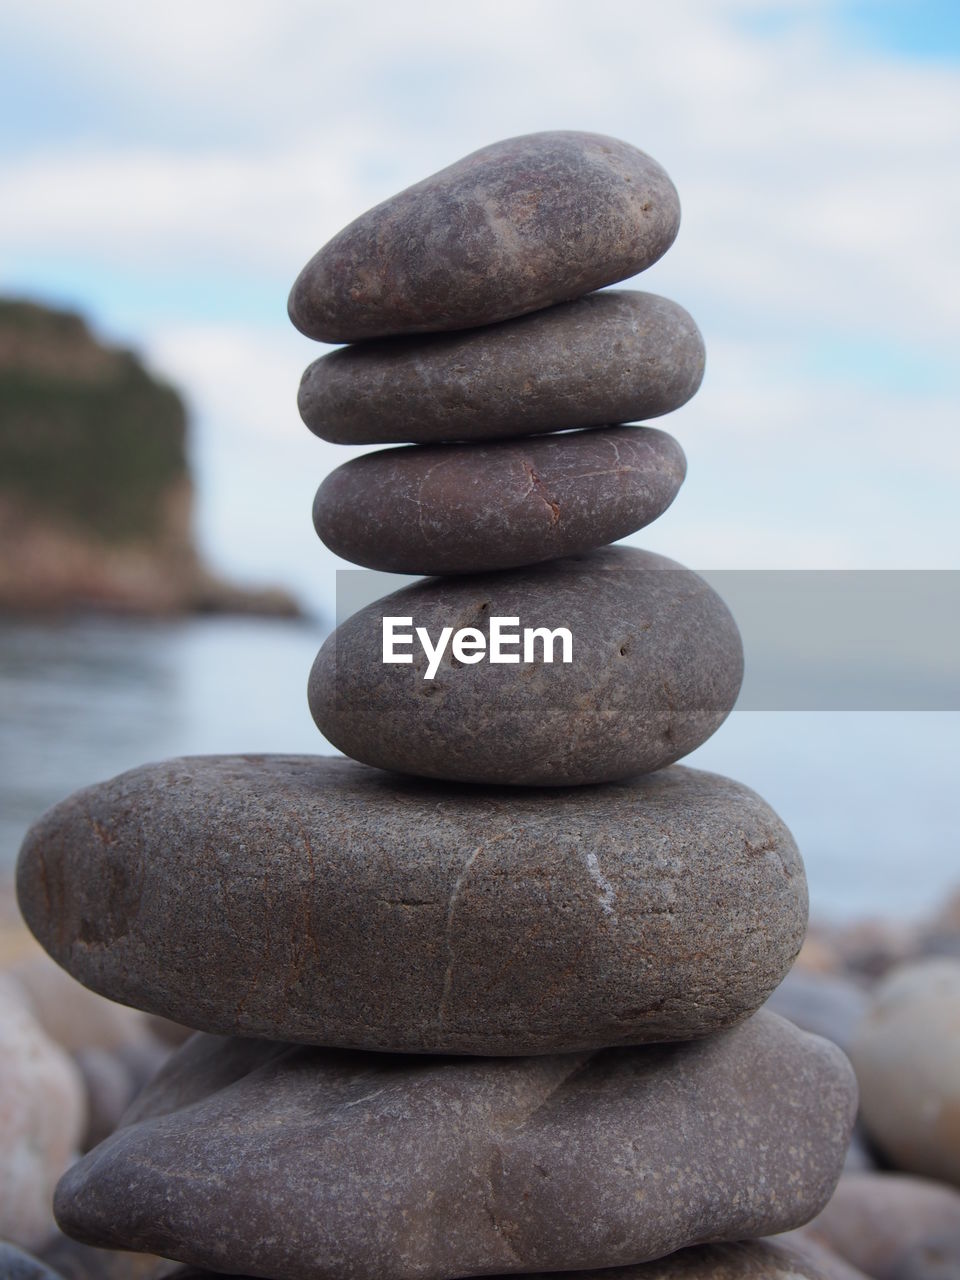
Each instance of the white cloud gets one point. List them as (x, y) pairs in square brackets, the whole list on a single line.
[(244, 379), (815, 183)]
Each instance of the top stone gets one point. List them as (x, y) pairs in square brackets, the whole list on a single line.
[(514, 227)]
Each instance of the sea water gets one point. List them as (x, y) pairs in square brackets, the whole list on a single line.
[(871, 797)]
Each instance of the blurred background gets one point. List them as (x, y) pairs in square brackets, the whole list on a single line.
[(165, 171)]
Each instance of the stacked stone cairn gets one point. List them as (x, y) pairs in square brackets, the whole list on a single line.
[(482, 999)]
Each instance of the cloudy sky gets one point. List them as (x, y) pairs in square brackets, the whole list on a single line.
[(168, 169)]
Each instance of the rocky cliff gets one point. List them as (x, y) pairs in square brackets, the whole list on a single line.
[(96, 497)]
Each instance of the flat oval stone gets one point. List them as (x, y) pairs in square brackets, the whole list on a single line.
[(42, 1118), (826, 1004), (311, 899), (508, 229), (610, 357), (298, 1163), (656, 667), (451, 508), (906, 1052), (874, 1220)]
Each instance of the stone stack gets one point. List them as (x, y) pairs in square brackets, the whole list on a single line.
[(486, 1001)]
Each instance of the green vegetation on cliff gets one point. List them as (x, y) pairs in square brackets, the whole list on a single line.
[(96, 497), (87, 435)]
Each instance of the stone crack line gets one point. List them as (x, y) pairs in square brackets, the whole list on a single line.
[(537, 486), (448, 931)]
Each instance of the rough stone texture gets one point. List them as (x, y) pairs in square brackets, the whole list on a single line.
[(906, 1052), (465, 508), (657, 665), (306, 1162), (41, 1120), (746, 1260), (513, 227), (826, 1004), (615, 356), (935, 1259), (873, 1219), (17, 1265), (315, 900)]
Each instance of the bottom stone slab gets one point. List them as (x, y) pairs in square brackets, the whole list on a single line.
[(297, 1163), (748, 1260)]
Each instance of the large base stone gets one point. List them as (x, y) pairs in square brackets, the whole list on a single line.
[(312, 899), (296, 1163)]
